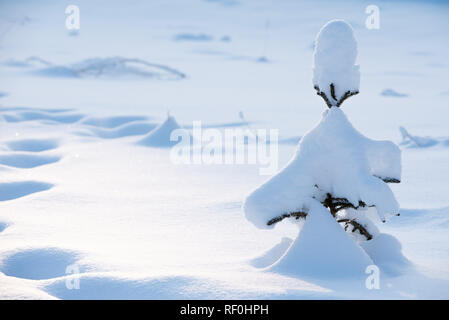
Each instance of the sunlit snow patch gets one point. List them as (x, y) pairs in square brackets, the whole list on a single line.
[(30, 62)]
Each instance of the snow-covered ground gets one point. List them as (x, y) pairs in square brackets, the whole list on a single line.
[(85, 183)]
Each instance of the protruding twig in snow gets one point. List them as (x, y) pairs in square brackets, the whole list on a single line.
[(337, 204), (389, 180), (334, 97)]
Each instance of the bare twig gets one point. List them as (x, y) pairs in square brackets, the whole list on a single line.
[(296, 215), (356, 226), (333, 95), (388, 179), (337, 204)]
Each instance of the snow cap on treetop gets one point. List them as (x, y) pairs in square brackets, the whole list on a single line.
[(334, 61)]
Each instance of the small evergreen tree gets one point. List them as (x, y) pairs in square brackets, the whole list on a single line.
[(335, 167)]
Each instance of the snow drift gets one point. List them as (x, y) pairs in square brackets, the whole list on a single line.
[(111, 67), (160, 136)]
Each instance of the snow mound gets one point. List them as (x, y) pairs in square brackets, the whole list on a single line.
[(112, 67), (3, 226), (112, 122), (316, 254), (43, 116), (334, 60), (393, 93), (332, 158), (160, 136), (30, 62), (128, 129), (272, 255), (104, 286), (32, 145)]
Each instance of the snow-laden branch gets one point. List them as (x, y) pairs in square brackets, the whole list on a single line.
[(334, 101), (334, 165)]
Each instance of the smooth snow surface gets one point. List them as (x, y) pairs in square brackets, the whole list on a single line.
[(139, 227), (412, 141)]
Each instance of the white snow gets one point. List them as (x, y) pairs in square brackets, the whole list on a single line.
[(113, 67), (334, 60), (140, 227)]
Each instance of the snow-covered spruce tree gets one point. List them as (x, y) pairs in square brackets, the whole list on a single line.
[(336, 178)]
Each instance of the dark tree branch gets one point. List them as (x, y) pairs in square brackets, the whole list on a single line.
[(356, 226), (336, 204), (388, 179), (333, 92), (296, 215), (346, 96), (303, 215)]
